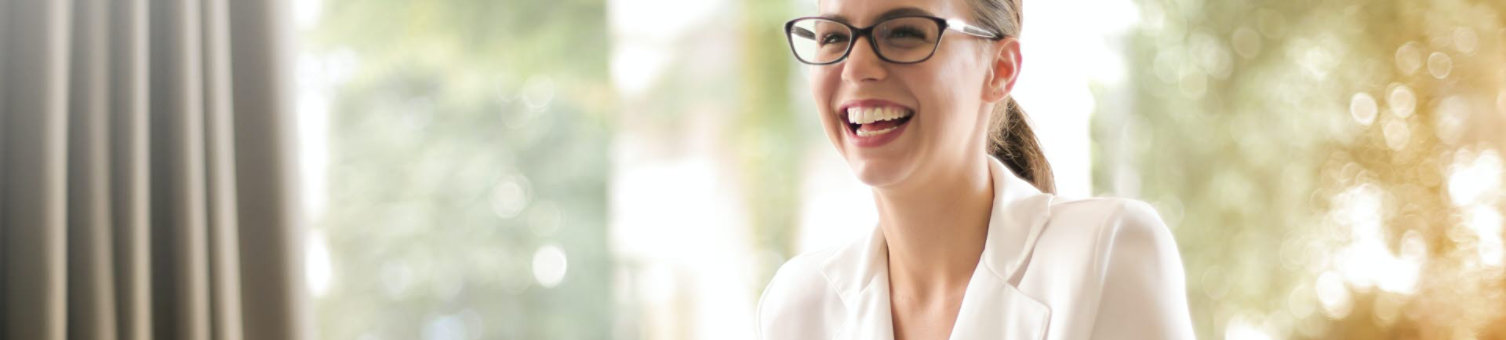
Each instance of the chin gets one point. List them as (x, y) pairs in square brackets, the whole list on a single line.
[(881, 173)]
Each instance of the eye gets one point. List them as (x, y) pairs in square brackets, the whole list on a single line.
[(906, 32), (833, 38)]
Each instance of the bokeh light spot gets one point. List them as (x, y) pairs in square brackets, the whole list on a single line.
[(549, 265)]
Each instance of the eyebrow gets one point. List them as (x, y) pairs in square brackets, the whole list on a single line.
[(890, 14)]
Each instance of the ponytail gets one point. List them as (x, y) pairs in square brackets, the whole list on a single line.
[(1009, 136), (1011, 140)]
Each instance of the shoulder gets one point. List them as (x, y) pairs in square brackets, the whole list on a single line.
[(1108, 210), (1134, 271), (1109, 246), (1113, 224), (797, 297)]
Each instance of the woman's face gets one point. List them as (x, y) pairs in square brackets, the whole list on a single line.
[(944, 97)]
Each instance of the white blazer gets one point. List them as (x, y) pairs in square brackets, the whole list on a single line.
[(1101, 268)]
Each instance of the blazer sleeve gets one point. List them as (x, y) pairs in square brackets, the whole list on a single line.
[(1144, 290)]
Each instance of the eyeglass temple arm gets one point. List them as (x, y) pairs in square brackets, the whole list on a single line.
[(965, 28), (804, 33)]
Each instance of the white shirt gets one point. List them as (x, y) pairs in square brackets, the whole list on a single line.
[(1100, 268)]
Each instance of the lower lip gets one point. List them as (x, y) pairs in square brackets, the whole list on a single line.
[(875, 141)]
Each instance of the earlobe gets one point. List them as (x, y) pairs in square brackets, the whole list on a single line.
[(994, 93), (991, 89)]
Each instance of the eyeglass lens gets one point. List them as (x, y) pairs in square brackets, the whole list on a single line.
[(901, 40)]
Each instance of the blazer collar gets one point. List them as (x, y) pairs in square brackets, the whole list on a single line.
[(991, 305)]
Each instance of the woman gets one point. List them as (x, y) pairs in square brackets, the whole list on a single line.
[(970, 244)]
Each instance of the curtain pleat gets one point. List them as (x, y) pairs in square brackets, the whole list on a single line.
[(91, 277), (224, 260), (34, 188), (147, 150), (272, 279), (182, 291), (5, 14), (131, 159)]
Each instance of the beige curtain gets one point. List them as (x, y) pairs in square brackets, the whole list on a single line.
[(146, 171)]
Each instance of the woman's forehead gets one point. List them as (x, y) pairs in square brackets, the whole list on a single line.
[(865, 12)]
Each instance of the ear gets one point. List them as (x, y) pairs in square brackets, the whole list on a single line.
[(1003, 69)]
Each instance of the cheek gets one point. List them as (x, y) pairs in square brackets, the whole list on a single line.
[(821, 88), (944, 94), (823, 83)]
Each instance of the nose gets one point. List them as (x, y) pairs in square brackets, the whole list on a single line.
[(862, 63)]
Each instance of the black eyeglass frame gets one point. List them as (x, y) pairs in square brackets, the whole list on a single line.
[(867, 32)]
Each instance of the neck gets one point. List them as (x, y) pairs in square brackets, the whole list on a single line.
[(935, 230)]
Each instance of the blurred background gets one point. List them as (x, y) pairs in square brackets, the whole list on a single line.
[(613, 169)]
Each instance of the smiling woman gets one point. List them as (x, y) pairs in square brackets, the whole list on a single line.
[(970, 241)]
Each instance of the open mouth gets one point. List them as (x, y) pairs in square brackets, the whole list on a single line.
[(876, 120)]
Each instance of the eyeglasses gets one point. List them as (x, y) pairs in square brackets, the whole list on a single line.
[(900, 40)]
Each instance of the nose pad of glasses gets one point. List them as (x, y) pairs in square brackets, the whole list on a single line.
[(865, 46)]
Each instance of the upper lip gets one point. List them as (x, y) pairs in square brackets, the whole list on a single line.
[(842, 109)]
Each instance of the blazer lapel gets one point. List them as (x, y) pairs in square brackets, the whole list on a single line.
[(992, 307), (860, 275)]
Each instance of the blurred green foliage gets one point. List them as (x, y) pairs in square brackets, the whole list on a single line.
[(467, 136), (768, 130)]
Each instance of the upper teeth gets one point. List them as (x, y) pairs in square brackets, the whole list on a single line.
[(865, 115)]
